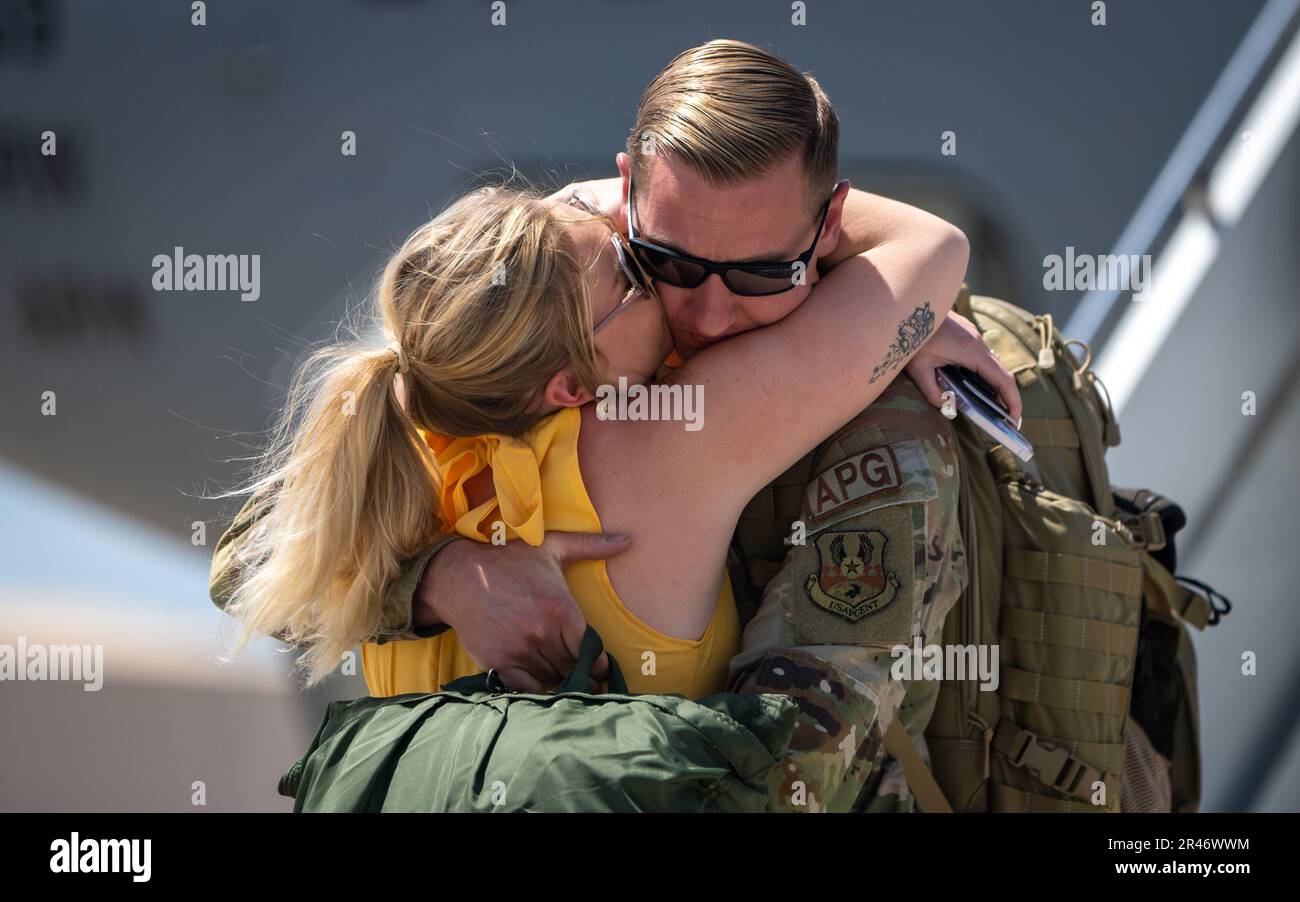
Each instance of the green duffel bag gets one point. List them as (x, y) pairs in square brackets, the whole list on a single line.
[(468, 748)]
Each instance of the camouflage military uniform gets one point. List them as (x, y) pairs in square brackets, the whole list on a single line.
[(881, 564)]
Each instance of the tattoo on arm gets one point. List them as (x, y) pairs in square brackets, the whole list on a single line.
[(912, 333)]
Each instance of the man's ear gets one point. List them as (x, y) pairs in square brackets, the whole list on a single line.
[(564, 390), (831, 230)]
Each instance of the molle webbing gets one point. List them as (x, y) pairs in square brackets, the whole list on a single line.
[(1067, 694), (1073, 570), (1061, 629)]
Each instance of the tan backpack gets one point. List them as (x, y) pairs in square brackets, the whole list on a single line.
[(1096, 707)]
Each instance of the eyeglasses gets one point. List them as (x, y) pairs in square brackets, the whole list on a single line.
[(745, 279), (637, 278)]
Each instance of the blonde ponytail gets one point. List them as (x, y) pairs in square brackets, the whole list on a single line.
[(346, 490), (348, 486)]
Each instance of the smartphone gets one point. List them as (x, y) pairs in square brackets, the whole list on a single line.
[(978, 402)]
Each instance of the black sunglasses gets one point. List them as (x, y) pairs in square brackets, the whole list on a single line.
[(758, 279)]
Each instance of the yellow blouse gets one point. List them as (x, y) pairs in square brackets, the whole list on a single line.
[(539, 488)]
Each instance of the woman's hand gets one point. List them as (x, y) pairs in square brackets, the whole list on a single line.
[(958, 342)]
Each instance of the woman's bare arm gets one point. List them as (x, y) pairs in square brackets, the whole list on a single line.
[(860, 229), (771, 394)]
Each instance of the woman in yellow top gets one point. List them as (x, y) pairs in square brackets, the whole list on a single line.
[(538, 487), (508, 315)]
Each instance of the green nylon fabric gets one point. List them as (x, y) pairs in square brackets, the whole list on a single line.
[(467, 749), (447, 752)]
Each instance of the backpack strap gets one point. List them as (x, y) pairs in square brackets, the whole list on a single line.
[(1038, 337), (1042, 432), (929, 797), (1168, 597)]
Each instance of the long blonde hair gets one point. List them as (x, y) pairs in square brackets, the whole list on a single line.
[(487, 301)]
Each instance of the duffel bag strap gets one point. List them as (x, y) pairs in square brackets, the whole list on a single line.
[(576, 682), (1050, 764), (587, 655), (899, 745)]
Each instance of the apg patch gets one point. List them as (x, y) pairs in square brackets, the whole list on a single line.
[(859, 478), (853, 579)]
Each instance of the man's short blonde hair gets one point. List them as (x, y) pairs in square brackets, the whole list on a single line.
[(732, 111)]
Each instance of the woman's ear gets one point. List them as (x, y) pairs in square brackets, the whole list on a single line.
[(564, 390)]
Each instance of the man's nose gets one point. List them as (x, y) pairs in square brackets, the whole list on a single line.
[(712, 307)]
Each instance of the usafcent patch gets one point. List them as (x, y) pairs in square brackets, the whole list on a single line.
[(853, 579), (846, 583)]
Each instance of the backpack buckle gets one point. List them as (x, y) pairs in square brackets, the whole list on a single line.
[(1147, 529), (1050, 764)]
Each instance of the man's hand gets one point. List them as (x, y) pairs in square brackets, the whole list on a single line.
[(510, 606), (957, 341)]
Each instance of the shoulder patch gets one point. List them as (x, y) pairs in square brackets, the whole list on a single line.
[(857, 584), (863, 480), (852, 580)]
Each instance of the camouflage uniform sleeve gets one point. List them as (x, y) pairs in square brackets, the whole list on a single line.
[(227, 566), (399, 599), (879, 565), (399, 596)]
